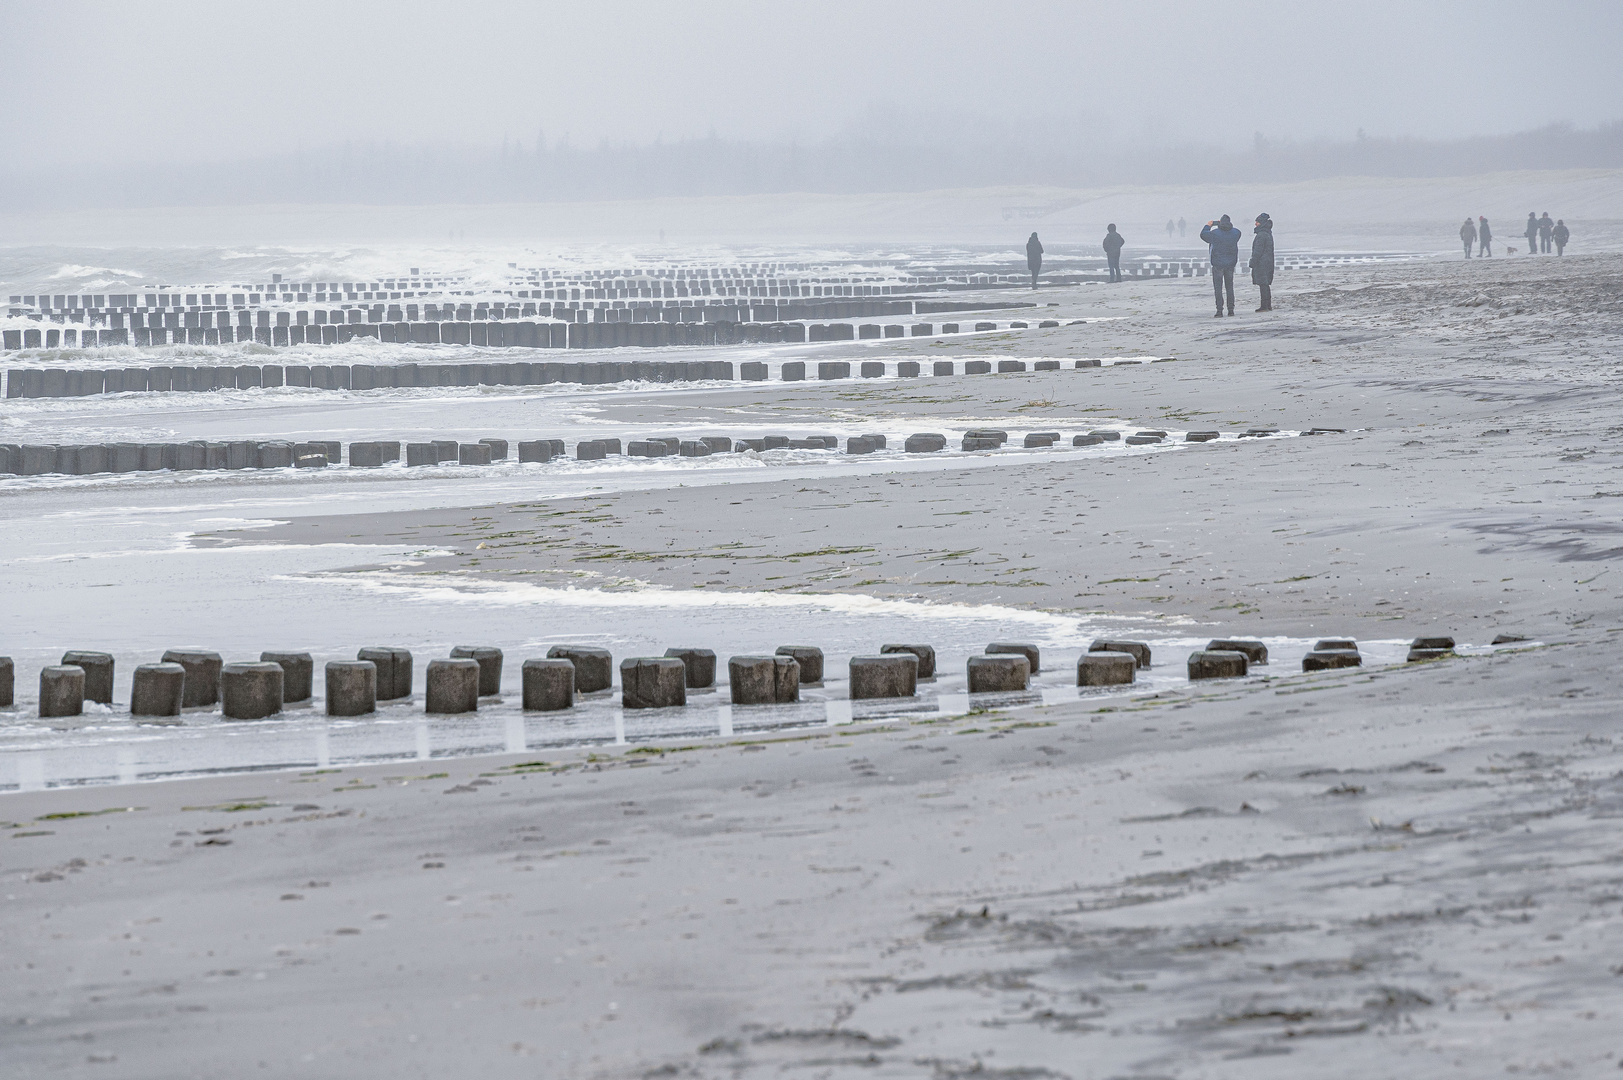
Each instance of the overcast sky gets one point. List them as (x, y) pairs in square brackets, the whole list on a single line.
[(183, 80)]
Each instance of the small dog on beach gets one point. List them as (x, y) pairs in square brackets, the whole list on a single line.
[(1510, 251)]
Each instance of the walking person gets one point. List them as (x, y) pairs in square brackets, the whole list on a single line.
[(1113, 245), (1182, 225), (1484, 235), (1560, 234), (1224, 239), (1545, 227), (1034, 258), (1262, 261), (1468, 234), (1171, 227), (1532, 233)]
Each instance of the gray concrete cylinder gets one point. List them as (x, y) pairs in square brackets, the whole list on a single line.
[(61, 691), (1216, 664), (1030, 652), (250, 691), (701, 666), (489, 659), (549, 685), (1255, 651), (785, 679), (352, 687), (925, 653), (653, 682), (158, 690), (1135, 648), (594, 668), (1106, 669), (453, 686), (998, 674), (98, 667), (810, 658), (202, 675), (896, 675), (298, 672), (1329, 659), (394, 671)]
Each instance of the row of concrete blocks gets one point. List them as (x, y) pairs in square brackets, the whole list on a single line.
[(829, 370), (994, 438), (86, 460), (76, 382)]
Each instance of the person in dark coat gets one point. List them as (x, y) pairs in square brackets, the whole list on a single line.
[(1182, 225), (1484, 235), (1034, 258), (1113, 245), (1468, 234), (1532, 234), (1560, 234), (1224, 239), (1262, 260), (1545, 227)]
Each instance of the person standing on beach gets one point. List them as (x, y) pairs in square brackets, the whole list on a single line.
[(1532, 233), (1468, 234), (1262, 261), (1034, 258), (1113, 245), (1182, 225), (1224, 239), (1484, 235), (1560, 234), (1171, 226), (1545, 227)]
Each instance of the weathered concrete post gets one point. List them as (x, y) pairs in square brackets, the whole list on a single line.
[(895, 675), (652, 682), (1106, 669), (62, 690), (701, 666), (1136, 648), (250, 691), (98, 667), (158, 690), (925, 653), (763, 680), (810, 658), (549, 685), (352, 687), (489, 659), (453, 686), (298, 672), (998, 674), (1216, 664), (1028, 651), (8, 683), (594, 668), (202, 675), (1255, 651), (394, 671)]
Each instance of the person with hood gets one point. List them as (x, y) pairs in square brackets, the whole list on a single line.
[(1532, 233), (1468, 234), (1224, 239), (1560, 234), (1182, 225), (1034, 258), (1484, 235), (1172, 227), (1262, 261), (1545, 227), (1113, 245)]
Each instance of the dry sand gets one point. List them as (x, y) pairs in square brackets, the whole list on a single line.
[(1405, 871)]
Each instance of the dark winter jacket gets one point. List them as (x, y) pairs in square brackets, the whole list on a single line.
[(1484, 231), (1468, 232), (1262, 255), (1545, 225), (1034, 251), (1225, 244), (1532, 228), (1113, 243), (1561, 234)]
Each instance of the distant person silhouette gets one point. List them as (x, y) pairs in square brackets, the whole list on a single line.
[(1560, 234), (1171, 225), (1034, 258), (1224, 239), (1545, 227), (1532, 234), (1468, 234), (1262, 261), (1113, 244), (1181, 226), (1484, 235)]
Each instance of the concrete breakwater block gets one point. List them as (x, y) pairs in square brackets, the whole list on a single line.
[(310, 461), (536, 450), (859, 444), (418, 453), (775, 442), (1137, 649), (1142, 440), (893, 676), (298, 672), (61, 690), (763, 680), (718, 444), (1416, 655), (498, 448), (872, 369), (1421, 648), (1107, 436), (925, 653), (794, 371), (594, 668), (998, 674), (1039, 441), (647, 448), (1045, 365), (907, 369), (653, 682), (453, 686), (591, 450), (949, 328), (352, 687), (977, 367), (549, 685), (941, 367), (700, 664), (1106, 669), (202, 675), (473, 454), (834, 369), (366, 455), (1335, 645), (972, 443), (8, 683), (692, 448), (988, 433), (1255, 651), (1216, 664), (810, 659), (98, 669), (1201, 436), (489, 659), (752, 371), (985, 326), (157, 690), (927, 442), (1004, 367), (250, 691), (1086, 440), (1329, 659), (394, 670), (1030, 652)]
